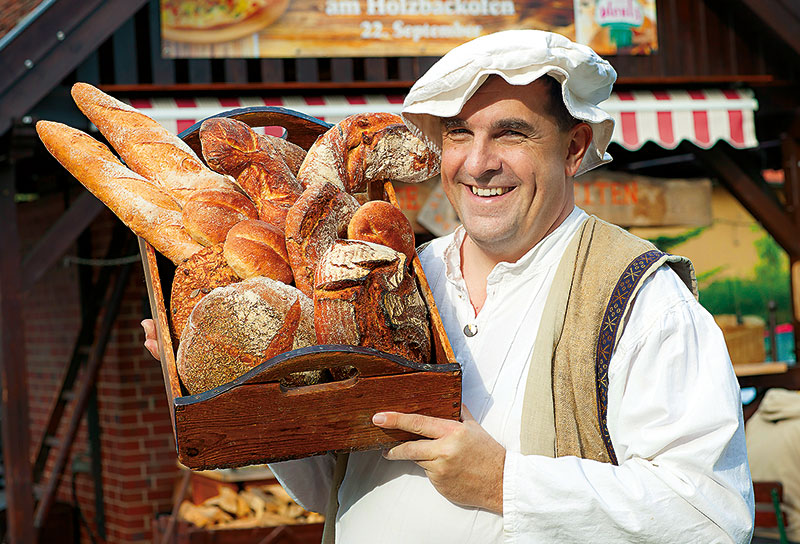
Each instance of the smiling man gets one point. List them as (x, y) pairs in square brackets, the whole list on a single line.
[(600, 404)]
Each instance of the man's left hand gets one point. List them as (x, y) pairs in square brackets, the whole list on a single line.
[(463, 462)]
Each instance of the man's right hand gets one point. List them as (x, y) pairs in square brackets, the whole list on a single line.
[(150, 341)]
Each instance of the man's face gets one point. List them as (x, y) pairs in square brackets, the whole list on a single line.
[(506, 167)]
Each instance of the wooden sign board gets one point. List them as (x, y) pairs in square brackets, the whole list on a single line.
[(351, 28), (638, 201)]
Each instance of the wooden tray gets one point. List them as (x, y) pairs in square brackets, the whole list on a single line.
[(254, 419)]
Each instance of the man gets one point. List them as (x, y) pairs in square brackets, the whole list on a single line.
[(586, 417)]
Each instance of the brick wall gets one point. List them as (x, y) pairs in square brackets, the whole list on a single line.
[(139, 468)]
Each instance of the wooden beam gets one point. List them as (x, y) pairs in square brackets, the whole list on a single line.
[(59, 237), (781, 16), (750, 193), (55, 44), (13, 372)]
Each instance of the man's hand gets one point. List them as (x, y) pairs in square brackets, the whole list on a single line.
[(463, 462), (150, 341)]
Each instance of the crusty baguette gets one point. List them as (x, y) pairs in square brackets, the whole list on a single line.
[(147, 147), (140, 204), (368, 147)]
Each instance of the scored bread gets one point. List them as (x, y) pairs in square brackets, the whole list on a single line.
[(238, 327), (147, 147), (365, 296), (256, 248), (380, 222), (209, 214), (139, 203), (319, 217), (196, 277)]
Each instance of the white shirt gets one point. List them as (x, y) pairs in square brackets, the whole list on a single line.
[(674, 417)]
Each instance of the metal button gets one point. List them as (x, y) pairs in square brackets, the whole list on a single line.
[(470, 330)]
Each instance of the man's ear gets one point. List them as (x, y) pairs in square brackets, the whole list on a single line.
[(580, 136)]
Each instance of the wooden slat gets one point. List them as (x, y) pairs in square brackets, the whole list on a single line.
[(13, 372), (752, 196), (271, 70), (235, 71), (199, 71), (307, 70), (125, 58), (163, 71), (375, 69), (782, 16), (763, 491), (341, 70)]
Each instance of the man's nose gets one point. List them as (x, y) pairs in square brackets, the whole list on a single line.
[(482, 158)]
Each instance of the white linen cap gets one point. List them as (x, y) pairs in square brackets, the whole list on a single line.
[(519, 57)]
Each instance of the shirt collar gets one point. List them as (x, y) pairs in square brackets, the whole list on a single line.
[(546, 253)]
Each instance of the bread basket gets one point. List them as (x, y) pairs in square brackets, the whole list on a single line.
[(257, 419)]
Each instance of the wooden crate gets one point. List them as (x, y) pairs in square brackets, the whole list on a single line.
[(253, 420), (186, 533)]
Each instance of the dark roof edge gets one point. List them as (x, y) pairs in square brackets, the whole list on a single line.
[(23, 23)]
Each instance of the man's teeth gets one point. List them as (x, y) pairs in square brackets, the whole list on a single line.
[(494, 191)]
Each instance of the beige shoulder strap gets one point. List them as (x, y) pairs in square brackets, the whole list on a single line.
[(329, 530)]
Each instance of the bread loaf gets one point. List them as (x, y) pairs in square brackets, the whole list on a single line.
[(368, 147), (379, 222), (238, 327), (365, 296), (256, 248), (209, 214), (318, 218), (147, 147), (230, 145), (139, 203), (194, 279)]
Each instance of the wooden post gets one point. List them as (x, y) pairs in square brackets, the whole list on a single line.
[(791, 185), (13, 372)]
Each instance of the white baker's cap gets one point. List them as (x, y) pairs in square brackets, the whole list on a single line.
[(519, 57)]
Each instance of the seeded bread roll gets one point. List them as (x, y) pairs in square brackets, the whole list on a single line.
[(147, 147), (139, 203), (365, 296), (209, 214), (236, 328), (256, 248), (319, 217), (194, 279), (380, 222)]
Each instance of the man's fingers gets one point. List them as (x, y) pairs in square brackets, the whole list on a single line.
[(430, 427), (416, 450), (150, 342)]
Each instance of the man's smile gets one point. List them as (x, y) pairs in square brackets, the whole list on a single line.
[(490, 191)]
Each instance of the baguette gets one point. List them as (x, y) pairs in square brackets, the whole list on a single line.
[(141, 205), (147, 147)]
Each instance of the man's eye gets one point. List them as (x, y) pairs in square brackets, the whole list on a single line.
[(457, 133), (511, 134)]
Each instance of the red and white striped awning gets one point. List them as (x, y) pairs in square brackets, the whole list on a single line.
[(702, 117)]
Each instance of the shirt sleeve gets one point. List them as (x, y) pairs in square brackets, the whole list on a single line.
[(308, 481), (675, 421)]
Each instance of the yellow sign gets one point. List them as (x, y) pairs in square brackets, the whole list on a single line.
[(616, 27), (345, 28)]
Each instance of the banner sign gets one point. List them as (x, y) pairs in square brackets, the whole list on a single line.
[(617, 27), (369, 28)]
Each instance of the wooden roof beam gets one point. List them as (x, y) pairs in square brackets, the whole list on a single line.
[(781, 16)]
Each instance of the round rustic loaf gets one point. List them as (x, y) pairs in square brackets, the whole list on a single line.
[(365, 296), (209, 214), (257, 248), (380, 222), (236, 328), (194, 278)]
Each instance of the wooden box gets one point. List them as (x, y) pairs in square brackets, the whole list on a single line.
[(254, 419)]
